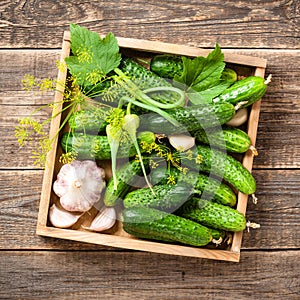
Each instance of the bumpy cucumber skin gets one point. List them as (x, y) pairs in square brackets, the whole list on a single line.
[(219, 191), (166, 197), (191, 118), (229, 74), (166, 66), (143, 77), (88, 146), (146, 236), (232, 139), (87, 121), (249, 89), (161, 225), (217, 234), (226, 167), (126, 176), (213, 215)]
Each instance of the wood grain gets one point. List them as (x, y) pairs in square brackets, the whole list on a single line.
[(231, 23), (277, 211), (135, 275), (278, 141), (41, 64)]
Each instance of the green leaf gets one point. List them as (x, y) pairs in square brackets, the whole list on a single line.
[(209, 76), (93, 58), (202, 73), (207, 95), (216, 54)]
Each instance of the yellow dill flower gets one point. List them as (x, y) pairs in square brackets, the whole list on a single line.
[(94, 76), (22, 134), (40, 154), (95, 148), (116, 118), (171, 180), (47, 84), (85, 55), (184, 170), (61, 66), (199, 159), (28, 82), (153, 164), (67, 158)]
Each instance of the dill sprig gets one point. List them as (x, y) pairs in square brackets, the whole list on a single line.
[(164, 154), (32, 132)]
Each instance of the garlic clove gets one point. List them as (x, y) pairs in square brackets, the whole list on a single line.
[(105, 219), (61, 218), (239, 118), (181, 142)]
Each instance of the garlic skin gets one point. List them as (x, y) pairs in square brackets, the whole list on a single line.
[(239, 118), (79, 185), (181, 142), (61, 218), (105, 219)]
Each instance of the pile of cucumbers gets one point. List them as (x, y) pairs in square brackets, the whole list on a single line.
[(199, 206)]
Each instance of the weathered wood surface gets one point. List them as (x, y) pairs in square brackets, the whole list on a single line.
[(271, 24), (137, 275), (34, 267)]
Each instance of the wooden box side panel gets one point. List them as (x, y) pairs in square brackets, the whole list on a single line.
[(248, 161), (137, 244), (160, 47), (54, 127)]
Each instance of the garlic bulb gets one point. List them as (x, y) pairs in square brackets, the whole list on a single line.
[(61, 218), (181, 142), (105, 219), (79, 185)]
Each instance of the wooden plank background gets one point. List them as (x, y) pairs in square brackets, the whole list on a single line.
[(33, 267)]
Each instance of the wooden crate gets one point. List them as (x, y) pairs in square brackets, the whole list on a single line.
[(245, 65)]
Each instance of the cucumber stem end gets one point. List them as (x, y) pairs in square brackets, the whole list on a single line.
[(268, 80), (252, 225)]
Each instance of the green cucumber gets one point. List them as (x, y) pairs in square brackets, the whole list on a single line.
[(217, 234), (232, 139), (213, 215), (87, 146), (89, 120), (166, 65), (143, 77), (219, 191), (166, 197), (229, 74), (225, 166), (191, 118), (126, 176), (160, 225), (249, 89), (145, 236)]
